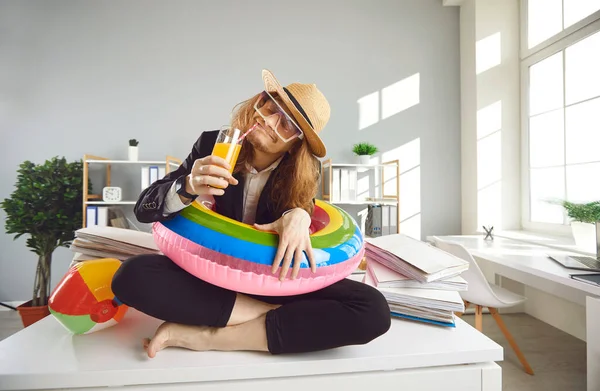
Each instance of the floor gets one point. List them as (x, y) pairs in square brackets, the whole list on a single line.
[(558, 359)]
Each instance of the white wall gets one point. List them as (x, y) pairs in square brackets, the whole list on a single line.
[(84, 77), (490, 129)]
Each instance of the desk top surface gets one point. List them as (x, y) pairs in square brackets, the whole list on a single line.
[(45, 355), (525, 257)]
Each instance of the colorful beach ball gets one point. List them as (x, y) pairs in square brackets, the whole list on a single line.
[(83, 300)]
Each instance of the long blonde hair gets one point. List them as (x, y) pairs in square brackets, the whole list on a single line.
[(296, 179)]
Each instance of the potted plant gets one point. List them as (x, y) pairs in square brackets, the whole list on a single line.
[(133, 150), (364, 151), (583, 222), (46, 205)]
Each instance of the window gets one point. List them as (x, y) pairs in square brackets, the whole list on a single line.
[(547, 18), (561, 109)]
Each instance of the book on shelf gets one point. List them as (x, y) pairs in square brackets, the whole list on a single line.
[(413, 258)]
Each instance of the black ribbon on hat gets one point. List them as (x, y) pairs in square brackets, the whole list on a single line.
[(300, 109)]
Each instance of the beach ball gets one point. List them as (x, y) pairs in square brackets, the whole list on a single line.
[(83, 300)]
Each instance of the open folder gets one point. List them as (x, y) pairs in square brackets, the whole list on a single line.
[(385, 277), (414, 258)]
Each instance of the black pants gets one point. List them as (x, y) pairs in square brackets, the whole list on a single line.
[(345, 313)]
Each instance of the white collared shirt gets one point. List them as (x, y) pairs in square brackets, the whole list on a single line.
[(254, 183)]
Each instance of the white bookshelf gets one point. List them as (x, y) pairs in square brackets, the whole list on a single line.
[(359, 165), (142, 162), (366, 202), (96, 199), (340, 184), (111, 203)]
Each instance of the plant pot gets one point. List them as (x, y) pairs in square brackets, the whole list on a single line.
[(133, 154), (584, 235), (30, 315), (364, 159)]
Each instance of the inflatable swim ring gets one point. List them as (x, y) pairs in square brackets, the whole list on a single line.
[(83, 301), (236, 256)]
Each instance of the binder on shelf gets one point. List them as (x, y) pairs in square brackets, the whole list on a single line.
[(145, 177), (161, 172), (352, 181), (335, 185), (102, 216), (153, 174), (91, 216), (344, 184), (96, 215)]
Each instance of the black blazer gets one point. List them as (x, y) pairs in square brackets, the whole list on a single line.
[(150, 205)]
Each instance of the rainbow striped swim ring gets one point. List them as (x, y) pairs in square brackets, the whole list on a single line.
[(238, 257)]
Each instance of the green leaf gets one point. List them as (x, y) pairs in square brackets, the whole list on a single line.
[(364, 148), (585, 213), (45, 203)]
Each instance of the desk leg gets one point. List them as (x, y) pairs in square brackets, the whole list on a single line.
[(479, 318), (592, 310)]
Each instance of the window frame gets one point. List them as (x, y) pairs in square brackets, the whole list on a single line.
[(559, 42)]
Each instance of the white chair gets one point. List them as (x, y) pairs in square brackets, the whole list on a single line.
[(483, 294)]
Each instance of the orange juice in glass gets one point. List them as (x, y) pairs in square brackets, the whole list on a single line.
[(228, 145)]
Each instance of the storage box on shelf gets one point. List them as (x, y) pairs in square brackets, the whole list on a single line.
[(96, 199), (340, 184)]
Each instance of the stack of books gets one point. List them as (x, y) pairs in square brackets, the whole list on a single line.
[(110, 242), (419, 281)]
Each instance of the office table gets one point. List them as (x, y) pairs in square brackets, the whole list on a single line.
[(529, 264), (410, 356)]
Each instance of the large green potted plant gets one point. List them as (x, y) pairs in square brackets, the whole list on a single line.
[(583, 222), (364, 151), (46, 206)]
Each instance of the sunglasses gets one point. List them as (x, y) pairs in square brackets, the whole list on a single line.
[(277, 118)]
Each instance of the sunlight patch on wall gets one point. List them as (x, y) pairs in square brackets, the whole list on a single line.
[(488, 53), (400, 96)]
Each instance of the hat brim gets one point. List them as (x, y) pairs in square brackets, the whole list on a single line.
[(314, 141)]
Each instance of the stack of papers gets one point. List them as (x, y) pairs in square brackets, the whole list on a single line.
[(413, 258), (419, 282), (111, 242), (425, 305)]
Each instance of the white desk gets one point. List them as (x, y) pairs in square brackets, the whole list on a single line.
[(528, 264), (409, 356)]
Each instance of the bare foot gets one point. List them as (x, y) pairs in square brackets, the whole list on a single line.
[(183, 336)]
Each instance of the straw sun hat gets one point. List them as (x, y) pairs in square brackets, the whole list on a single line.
[(308, 106)]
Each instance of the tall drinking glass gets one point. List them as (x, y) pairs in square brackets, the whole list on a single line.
[(228, 145)]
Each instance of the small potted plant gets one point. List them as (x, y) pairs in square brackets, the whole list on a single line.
[(583, 222), (364, 151), (46, 206), (133, 150)]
